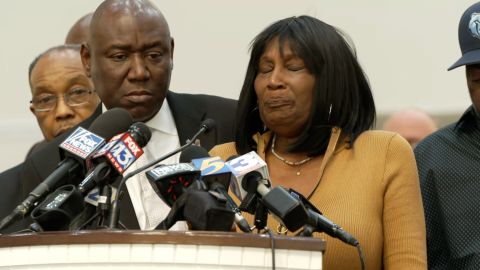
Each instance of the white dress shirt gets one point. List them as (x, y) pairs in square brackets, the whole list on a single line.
[(149, 208)]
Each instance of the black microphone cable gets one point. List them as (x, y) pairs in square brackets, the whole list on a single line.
[(205, 127), (361, 256), (272, 245)]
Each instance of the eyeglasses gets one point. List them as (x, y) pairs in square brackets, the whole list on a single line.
[(47, 102)]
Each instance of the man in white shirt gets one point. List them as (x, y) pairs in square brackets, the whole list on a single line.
[(129, 55)]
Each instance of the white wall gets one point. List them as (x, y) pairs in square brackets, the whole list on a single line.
[(405, 48)]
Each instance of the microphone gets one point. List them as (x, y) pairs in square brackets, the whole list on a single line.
[(206, 126), (74, 150), (322, 224), (120, 152), (293, 210), (240, 166), (293, 214), (202, 209), (207, 211), (59, 208), (171, 181), (216, 175), (243, 167)]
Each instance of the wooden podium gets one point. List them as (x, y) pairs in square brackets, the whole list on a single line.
[(157, 250)]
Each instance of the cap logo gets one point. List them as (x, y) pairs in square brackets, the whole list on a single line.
[(474, 25)]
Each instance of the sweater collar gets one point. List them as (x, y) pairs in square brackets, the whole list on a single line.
[(335, 144)]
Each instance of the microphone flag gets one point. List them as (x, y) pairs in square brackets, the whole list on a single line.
[(122, 150), (242, 165)]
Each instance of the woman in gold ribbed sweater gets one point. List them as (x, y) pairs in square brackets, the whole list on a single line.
[(306, 108)]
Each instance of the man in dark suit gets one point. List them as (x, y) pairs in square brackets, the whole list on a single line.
[(129, 57)]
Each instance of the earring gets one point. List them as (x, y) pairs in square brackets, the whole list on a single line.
[(254, 109), (329, 113)]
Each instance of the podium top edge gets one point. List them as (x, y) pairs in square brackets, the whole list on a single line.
[(162, 237)]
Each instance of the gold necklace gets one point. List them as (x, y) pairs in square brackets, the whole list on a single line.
[(290, 163)]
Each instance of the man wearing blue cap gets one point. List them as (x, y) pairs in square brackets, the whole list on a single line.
[(449, 168)]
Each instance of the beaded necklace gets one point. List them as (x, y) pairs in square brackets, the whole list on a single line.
[(290, 163)]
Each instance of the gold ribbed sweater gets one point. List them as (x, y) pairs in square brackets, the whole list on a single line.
[(372, 191)]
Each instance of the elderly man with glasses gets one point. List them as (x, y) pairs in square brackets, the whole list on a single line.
[(62, 97), (62, 94)]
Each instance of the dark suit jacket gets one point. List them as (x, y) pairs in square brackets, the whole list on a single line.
[(188, 111)]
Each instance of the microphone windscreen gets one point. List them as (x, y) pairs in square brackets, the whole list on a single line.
[(193, 152), (111, 123), (205, 212), (209, 124), (140, 133)]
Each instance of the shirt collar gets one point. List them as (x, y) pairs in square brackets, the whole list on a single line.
[(162, 121), (469, 117)]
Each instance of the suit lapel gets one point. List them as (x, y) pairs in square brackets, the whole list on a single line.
[(188, 117)]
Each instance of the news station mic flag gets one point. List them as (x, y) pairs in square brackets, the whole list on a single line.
[(58, 210), (78, 146), (242, 165), (171, 181), (125, 148)]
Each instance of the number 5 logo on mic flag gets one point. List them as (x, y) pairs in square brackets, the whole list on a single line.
[(210, 165)]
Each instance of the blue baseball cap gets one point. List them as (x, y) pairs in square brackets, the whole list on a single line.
[(469, 37)]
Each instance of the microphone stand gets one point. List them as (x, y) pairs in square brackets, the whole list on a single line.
[(261, 216), (115, 209), (252, 203), (100, 217)]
